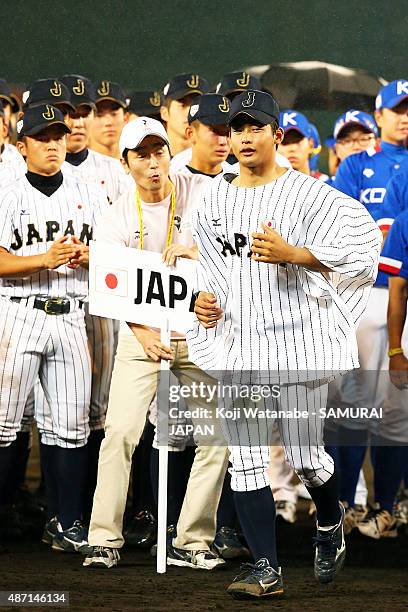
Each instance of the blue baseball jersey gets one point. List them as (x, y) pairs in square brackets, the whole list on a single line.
[(365, 177), (396, 197), (394, 255)]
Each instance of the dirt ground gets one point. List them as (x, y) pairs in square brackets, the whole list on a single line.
[(375, 577)]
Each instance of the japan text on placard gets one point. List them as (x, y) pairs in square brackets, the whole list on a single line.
[(136, 286)]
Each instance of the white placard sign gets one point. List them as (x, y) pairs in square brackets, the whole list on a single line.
[(133, 285)]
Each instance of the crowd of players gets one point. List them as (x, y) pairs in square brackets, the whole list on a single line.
[(368, 160)]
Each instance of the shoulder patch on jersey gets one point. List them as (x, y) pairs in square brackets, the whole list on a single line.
[(368, 172)]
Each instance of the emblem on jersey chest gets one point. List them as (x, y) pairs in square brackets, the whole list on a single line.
[(145, 233), (177, 222), (368, 172)]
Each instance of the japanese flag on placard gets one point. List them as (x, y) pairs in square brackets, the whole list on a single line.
[(112, 281)]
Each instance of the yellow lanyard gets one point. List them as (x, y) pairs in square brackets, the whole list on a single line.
[(172, 215)]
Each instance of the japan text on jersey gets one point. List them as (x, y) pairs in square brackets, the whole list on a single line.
[(31, 221)]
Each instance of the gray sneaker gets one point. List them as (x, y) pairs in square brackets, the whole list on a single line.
[(102, 557), (196, 559), (256, 581)]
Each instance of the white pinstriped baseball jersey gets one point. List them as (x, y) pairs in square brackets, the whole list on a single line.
[(105, 170), (10, 172), (283, 317), (30, 221), (10, 155)]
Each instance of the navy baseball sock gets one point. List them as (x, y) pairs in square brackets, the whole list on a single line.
[(17, 475), (326, 499), (351, 462), (48, 456), (388, 471), (226, 513), (8, 456), (94, 444), (178, 473), (71, 471), (257, 516), (142, 494)]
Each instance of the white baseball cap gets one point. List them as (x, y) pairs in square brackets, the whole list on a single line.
[(136, 130)]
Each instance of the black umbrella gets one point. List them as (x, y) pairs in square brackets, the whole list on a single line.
[(319, 86)]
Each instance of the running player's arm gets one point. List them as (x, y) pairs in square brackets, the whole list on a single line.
[(270, 247), (343, 236)]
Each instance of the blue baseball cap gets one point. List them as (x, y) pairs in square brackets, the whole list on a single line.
[(359, 118), (293, 120), (392, 94)]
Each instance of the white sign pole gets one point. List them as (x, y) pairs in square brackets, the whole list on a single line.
[(163, 465)]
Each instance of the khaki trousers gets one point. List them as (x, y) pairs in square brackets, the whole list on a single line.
[(134, 384)]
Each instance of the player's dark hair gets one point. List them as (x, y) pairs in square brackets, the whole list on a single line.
[(125, 155)]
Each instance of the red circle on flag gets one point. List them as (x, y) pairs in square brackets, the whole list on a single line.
[(111, 281)]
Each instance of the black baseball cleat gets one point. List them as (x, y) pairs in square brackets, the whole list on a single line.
[(72, 540), (51, 529), (256, 581), (228, 545), (330, 551), (142, 530)]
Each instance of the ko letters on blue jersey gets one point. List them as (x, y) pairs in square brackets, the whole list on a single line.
[(365, 176)]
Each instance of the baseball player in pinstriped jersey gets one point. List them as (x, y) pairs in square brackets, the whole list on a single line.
[(108, 176), (109, 119), (46, 221), (281, 304)]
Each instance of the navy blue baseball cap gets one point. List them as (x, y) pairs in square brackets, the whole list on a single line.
[(48, 91), (81, 89), (234, 82), (39, 117), (6, 95), (145, 103), (258, 105), (293, 120), (392, 94), (357, 118), (183, 85), (211, 109), (108, 90)]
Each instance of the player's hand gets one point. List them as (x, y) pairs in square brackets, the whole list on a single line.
[(152, 346), (59, 254), (207, 310), (270, 247), (171, 253), (81, 257), (398, 367)]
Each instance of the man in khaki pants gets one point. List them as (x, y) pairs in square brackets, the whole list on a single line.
[(156, 218)]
